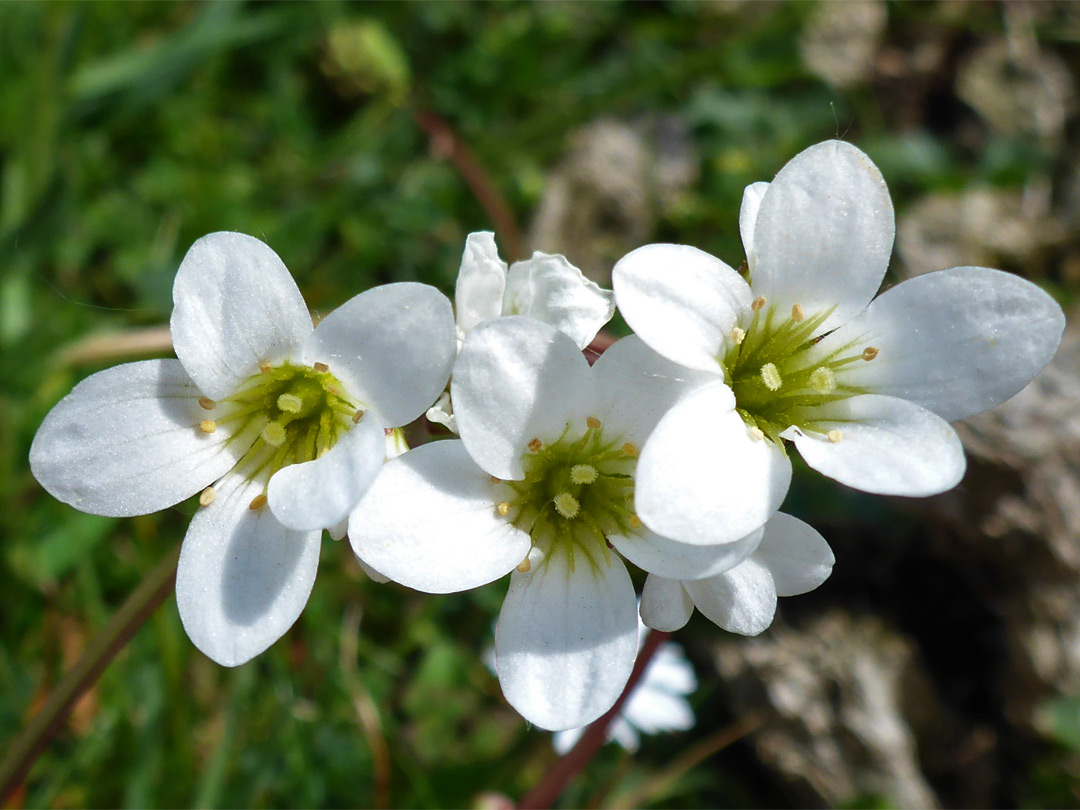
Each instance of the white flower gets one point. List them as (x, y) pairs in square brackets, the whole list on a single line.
[(792, 559), (542, 480), (863, 388), (658, 702), (280, 426), (545, 287)]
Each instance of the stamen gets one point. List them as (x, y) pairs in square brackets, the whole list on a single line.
[(273, 434), (738, 335), (535, 445), (869, 353), (207, 496), (583, 474), (207, 425), (265, 366), (566, 505), (756, 433), (503, 508), (629, 450), (495, 480), (207, 404), (758, 303), (320, 367), (592, 423), (771, 377), (797, 313), (290, 403), (524, 566), (835, 436), (356, 417), (823, 380), (258, 502)]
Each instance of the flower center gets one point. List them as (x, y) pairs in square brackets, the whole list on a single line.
[(576, 492), (779, 375)]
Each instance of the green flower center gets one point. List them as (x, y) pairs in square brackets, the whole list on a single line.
[(576, 492), (779, 375)]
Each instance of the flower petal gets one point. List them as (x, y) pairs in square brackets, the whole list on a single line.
[(956, 341), (748, 211), (392, 347), (234, 306), (742, 600), (887, 446), (317, 494), (653, 711), (823, 234), (701, 479), (478, 294), (566, 640), (243, 578), (547, 287), (126, 441), (683, 302), (517, 379), (658, 555), (430, 522), (372, 574), (797, 556), (665, 604)]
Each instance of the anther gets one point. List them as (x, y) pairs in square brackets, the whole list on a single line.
[(273, 434), (797, 313), (320, 366), (869, 353), (207, 425), (258, 502), (756, 433), (592, 423), (356, 417), (566, 505), (495, 480), (823, 380), (503, 508), (835, 436), (265, 366), (758, 303), (524, 566), (207, 404), (290, 403), (635, 522), (206, 497), (738, 335), (771, 377), (535, 445), (629, 450), (583, 474)]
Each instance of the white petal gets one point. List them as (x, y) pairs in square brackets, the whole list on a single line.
[(234, 306), (748, 211), (635, 387), (824, 233), (670, 671), (566, 640), (517, 379), (889, 446), (797, 556), (742, 600), (243, 578), (653, 711), (658, 555), (550, 289), (372, 574), (956, 341), (701, 479), (665, 604), (317, 494), (339, 529), (442, 413), (683, 302), (623, 732), (126, 441), (430, 522), (481, 280), (563, 741), (392, 347)]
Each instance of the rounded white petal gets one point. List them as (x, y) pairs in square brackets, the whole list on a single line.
[(317, 494), (635, 387), (658, 555), (797, 556), (563, 741), (243, 578), (702, 479), (481, 281), (956, 341), (742, 600), (126, 441), (516, 380), (653, 710), (823, 234), (748, 211), (566, 640), (670, 672), (547, 287), (391, 346), (889, 446), (372, 574), (430, 522), (665, 604), (683, 302), (234, 306)]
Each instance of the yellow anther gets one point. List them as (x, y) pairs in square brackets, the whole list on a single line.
[(273, 434), (495, 480), (835, 436), (592, 423), (629, 450), (320, 366), (738, 335), (771, 377), (583, 474), (356, 417), (758, 303), (503, 508), (566, 505), (535, 445), (290, 403), (756, 433), (206, 497), (635, 522), (258, 502), (869, 353), (823, 380), (524, 566), (265, 366), (207, 425), (207, 404)]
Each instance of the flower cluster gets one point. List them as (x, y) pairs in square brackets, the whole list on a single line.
[(670, 453)]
